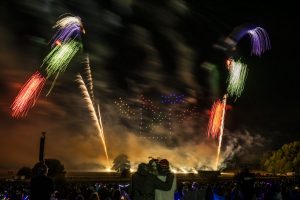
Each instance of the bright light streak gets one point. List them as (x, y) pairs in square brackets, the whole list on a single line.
[(89, 76), (216, 118), (60, 56), (28, 95), (237, 77), (69, 28), (221, 131), (93, 114), (259, 40)]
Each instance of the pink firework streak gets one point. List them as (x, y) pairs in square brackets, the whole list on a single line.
[(28, 95)]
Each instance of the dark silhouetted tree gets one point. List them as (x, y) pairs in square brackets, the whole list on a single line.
[(121, 164), (286, 159), (25, 171)]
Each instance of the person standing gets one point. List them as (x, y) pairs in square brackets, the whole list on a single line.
[(41, 186), (143, 183), (163, 169)]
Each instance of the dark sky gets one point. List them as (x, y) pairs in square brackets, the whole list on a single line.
[(149, 48)]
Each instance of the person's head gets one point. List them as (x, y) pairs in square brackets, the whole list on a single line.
[(94, 196), (143, 169), (163, 166), (153, 165), (195, 186), (41, 169)]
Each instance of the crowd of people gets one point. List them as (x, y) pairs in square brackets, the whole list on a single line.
[(153, 181)]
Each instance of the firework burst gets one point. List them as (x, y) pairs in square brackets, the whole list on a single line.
[(60, 56), (260, 41), (221, 130), (216, 118), (58, 59), (69, 27), (237, 77), (28, 95), (216, 124)]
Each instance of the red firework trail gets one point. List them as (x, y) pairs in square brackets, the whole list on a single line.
[(216, 118), (28, 95)]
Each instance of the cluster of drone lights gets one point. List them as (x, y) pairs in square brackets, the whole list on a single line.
[(157, 116), (189, 112), (124, 108), (236, 81), (150, 115), (172, 99)]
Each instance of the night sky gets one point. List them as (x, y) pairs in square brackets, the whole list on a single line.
[(149, 48)]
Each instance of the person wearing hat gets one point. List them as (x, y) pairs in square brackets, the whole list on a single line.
[(144, 183), (163, 169)]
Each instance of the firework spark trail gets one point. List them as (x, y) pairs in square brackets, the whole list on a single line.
[(69, 27), (221, 130), (58, 59), (237, 77), (102, 135), (91, 108), (260, 41), (28, 95), (89, 76), (67, 21), (215, 121), (60, 56)]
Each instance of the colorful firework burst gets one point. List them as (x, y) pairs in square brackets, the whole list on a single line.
[(60, 56), (69, 28), (28, 95), (260, 41), (216, 119), (237, 77)]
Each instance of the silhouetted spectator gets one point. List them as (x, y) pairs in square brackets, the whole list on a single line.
[(41, 186), (163, 169), (143, 183), (245, 181), (94, 196)]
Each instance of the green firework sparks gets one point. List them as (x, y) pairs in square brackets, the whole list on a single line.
[(60, 56), (237, 77)]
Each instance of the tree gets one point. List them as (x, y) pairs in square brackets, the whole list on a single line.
[(286, 159), (25, 171), (121, 164), (55, 168)]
